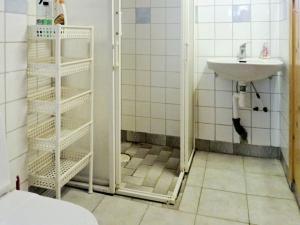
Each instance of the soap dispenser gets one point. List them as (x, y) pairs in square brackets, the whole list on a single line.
[(265, 52), (44, 12)]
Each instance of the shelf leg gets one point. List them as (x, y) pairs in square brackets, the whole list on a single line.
[(91, 175), (58, 193)]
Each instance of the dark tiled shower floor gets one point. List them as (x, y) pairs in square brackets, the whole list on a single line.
[(152, 168)]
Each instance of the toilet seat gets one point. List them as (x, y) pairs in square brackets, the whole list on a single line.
[(24, 208)]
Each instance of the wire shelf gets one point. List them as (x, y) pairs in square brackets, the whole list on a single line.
[(45, 32), (44, 101), (47, 67), (43, 136), (42, 171)]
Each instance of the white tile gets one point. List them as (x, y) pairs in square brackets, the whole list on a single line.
[(172, 96), (158, 3), (268, 186), (261, 119), (158, 111), (158, 47), (143, 109), (173, 47), (223, 48), (224, 116), (128, 77), (143, 47), (16, 85), (154, 215), (158, 126), (129, 30), (1, 5), (142, 3), (202, 220), (158, 79), (172, 3), (18, 168), (16, 56), (260, 12), (173, 128), (205, 31), (172, 79), (223, 30), (173, 31), (205, 47), (158, 95), (190, 199), (224, 205), (261, 136), (2, 56), (173, 15), (128, 62), (205, 81), (17, 142), (142, 124), (275, 138), (128, 46), (223, 84), (158, 63), (205, 14), (143, 78), (223, 99), (206, 98), (16, 114), (224, 133), (260, 30), (241, 30), (116, 210), (172, 112), (142, 31), (206, 131), (143, 62), (128, 108), (225, 180), (205, 115), (128, 15), (16, 24), (128, 123), (128, 92), (2, 88), (2, 31), (223, 13), (158, 31), (173, 63), (82, 198), (273, 211), (142, 93)]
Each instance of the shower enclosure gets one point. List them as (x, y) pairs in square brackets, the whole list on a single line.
[(144, 86), (153, 53)]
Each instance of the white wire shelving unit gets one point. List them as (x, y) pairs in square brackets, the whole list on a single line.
[(54, 132)]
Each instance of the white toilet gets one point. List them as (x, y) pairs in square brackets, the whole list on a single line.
[(24, 208)]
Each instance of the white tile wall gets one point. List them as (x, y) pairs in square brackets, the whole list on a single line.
[(14, 18), (150, 54), (283, 135), (218, 33)]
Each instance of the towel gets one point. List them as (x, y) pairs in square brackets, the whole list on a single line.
[(4, 161)]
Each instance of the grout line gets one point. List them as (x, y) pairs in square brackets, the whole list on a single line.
[(246, 188)]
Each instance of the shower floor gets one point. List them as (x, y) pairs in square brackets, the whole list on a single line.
[(151, 168)]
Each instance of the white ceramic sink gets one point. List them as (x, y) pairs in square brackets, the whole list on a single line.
[(250, 69)]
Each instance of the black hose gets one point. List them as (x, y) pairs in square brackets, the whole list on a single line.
[(240, 129)]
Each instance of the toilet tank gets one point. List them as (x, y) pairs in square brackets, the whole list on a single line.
[(4, 161)]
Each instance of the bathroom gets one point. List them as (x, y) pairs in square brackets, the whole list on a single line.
[(170, 136)]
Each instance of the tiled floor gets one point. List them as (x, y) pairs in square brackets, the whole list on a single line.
[(152, 168), (220, 190)]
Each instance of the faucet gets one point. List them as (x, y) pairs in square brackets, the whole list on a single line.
[(242, 53)]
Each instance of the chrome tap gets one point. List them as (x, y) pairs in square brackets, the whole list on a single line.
[(243, 52)]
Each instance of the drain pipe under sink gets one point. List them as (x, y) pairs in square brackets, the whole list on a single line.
[(239, 100)]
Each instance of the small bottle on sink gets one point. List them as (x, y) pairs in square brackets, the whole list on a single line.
[(265, 52)]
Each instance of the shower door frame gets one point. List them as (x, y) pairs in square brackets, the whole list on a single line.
[(185, 162)]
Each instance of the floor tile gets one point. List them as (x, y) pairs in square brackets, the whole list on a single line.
[(265, 185), (162, 216), (134, 163), (196, 178), (153, 174), (225, 205), (119, 211), (149, 160), (224, 162), (132, 180), (200, 159), (263, 166), (82, 198), (142, 171), (271, 211), (164, 182), (203, 220), (190, 199), (225, 180)]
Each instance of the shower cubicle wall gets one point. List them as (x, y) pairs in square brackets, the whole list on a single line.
[(144, 88), (151, 54)]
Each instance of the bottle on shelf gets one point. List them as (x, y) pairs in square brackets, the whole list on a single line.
[(45, 12)]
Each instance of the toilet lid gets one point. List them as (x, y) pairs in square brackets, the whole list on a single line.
[(4, 161)]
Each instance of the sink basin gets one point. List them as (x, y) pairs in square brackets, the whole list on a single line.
[(250, 69)]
